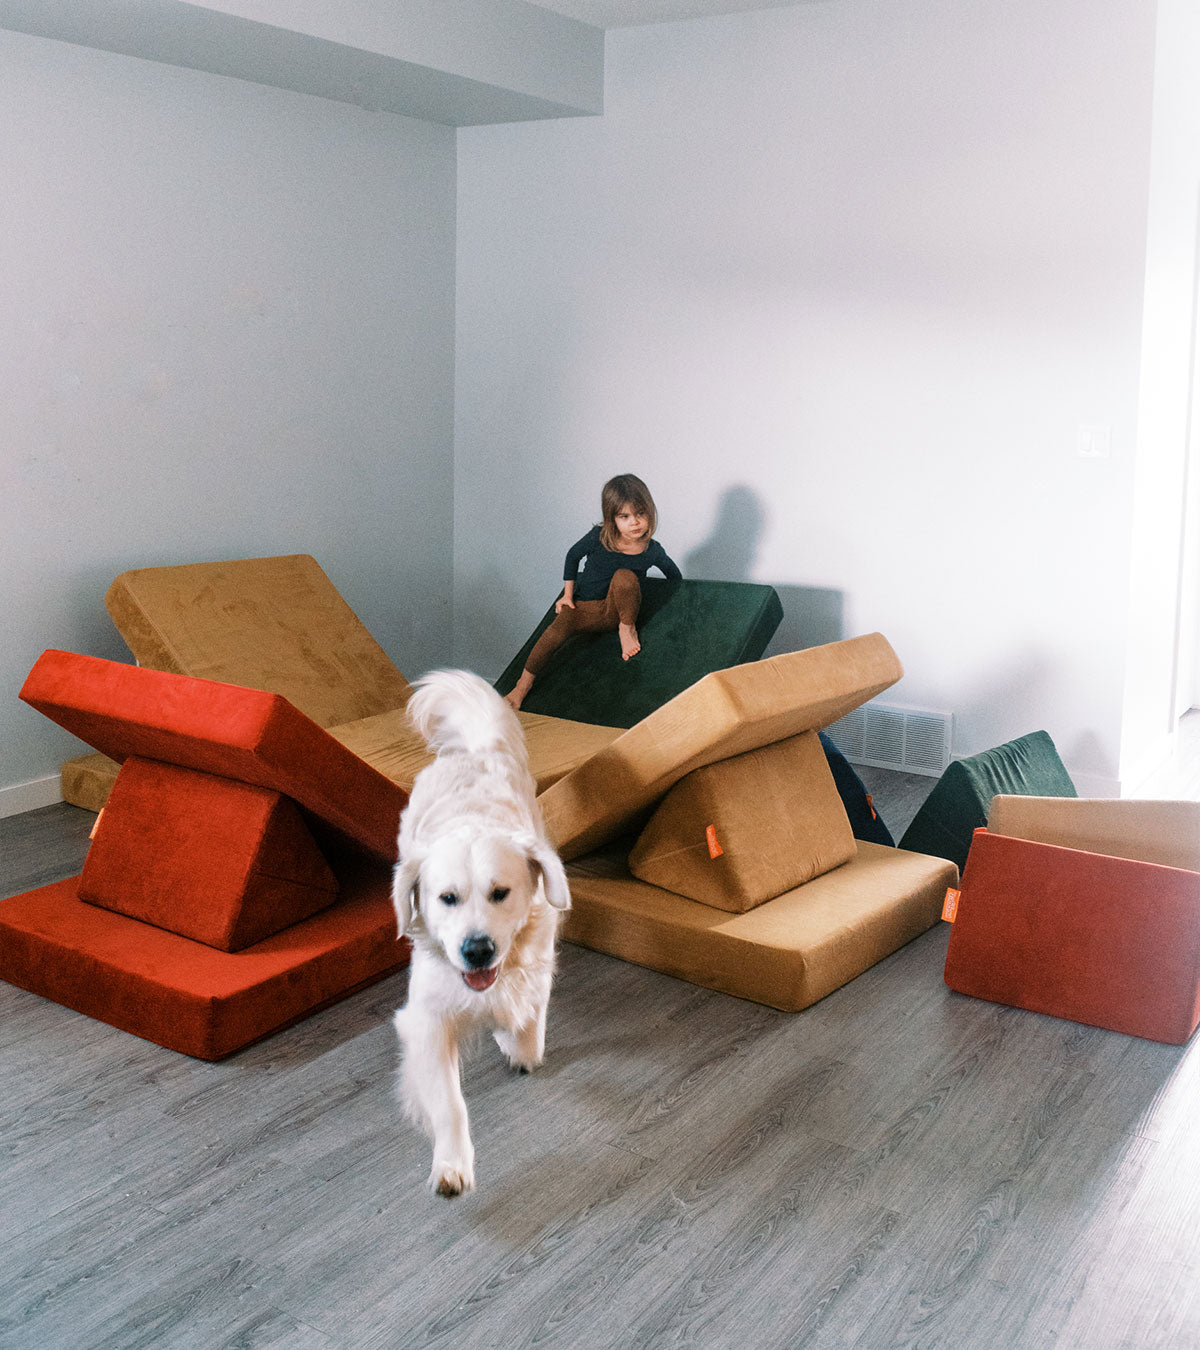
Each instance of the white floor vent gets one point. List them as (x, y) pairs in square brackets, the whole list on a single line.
[(908, 739)]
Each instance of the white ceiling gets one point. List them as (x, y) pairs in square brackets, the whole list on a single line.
[(626, 13)]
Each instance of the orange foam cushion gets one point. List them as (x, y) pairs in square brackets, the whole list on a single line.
[(222, 729), (185, 995), (225, 863), (1106, 941)]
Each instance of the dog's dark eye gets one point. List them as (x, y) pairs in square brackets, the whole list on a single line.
[(500, 893), (448, 898)]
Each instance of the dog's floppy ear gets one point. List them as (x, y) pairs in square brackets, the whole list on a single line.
[(404, 891), (554, 875)]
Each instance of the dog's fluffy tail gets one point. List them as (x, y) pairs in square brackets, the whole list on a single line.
[(457, 710)]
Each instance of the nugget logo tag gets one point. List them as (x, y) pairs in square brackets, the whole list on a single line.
[(950, 908), (714, 849)]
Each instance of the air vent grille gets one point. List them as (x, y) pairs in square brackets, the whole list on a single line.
[(909, 739)]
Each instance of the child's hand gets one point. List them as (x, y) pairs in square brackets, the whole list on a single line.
[(563, 602)]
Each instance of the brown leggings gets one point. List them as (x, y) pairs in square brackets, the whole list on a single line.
[(620, 605)]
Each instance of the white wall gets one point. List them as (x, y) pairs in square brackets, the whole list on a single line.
[(841, 281), (227, 332)]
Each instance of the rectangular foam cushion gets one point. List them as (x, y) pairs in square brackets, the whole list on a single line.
[(787, 953), (182, 994), (1106, 941), (726, 713), (277, 624), (223, 862), (775, 818), (233, 732), (88, 779), (555, 746), (1164, 832), (687, 629)]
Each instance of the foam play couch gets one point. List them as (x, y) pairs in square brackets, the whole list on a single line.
[(239, 876), (709, 840), (279, 624)]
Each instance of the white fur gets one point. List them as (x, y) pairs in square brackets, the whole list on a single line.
[(471, 830)]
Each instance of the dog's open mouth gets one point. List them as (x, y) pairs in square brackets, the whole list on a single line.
[(480, 980)]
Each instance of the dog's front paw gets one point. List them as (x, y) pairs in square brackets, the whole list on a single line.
[(521, 1051), (451, 1178)]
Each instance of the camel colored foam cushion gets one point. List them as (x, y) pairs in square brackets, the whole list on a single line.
[(389, 744), (728, 712), (742, 831), (1164, 832), (88, 779), (786, 953), (223, 862), (276, 624), (1110, 942)]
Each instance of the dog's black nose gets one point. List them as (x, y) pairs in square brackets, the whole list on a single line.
[(478, 951)]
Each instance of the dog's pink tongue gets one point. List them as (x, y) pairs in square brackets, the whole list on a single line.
[(481, 979)]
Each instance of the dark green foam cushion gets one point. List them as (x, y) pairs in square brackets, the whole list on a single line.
[(959, 802), (687, 628)]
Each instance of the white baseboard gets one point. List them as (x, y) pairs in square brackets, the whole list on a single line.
[(29, 796)]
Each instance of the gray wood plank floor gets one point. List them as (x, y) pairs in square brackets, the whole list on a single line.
[(898, 1166)]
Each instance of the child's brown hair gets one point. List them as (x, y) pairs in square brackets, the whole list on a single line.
[(626, 489)]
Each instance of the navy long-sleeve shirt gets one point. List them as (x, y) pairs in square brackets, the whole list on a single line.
[(603, 562)]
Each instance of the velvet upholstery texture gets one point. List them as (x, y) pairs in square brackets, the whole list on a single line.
[(389, 744), (183, 994), (88, 779), (746, 829), (687, 629), (958, 805), (275, 624), (208, 769), (791, 950), (1110, 942), (865, 822), (1164, 832), (728, 712), (209, 858), (221, 729), (786, 953)]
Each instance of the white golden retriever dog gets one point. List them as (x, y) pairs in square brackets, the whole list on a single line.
[(479, 889)]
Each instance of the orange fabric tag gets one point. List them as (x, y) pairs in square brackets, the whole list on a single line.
[(871, 804), (950, 908), (714, 849), (95, 824)]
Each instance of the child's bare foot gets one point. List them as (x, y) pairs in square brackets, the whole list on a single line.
[(630, 646), (516, 695)]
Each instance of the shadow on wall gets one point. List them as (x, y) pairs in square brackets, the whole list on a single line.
[(732, 545), (812, 615)]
